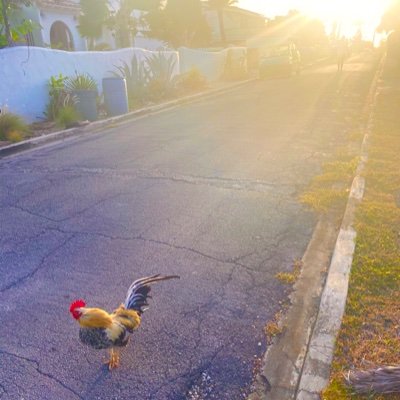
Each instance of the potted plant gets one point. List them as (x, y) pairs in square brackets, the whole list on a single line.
[(84, 89)]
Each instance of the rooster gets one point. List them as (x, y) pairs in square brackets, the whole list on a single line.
[(101, 330)]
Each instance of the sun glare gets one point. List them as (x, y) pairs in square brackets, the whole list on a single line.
[(350, 14)]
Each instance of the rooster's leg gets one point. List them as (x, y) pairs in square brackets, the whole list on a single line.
[(114, 359)]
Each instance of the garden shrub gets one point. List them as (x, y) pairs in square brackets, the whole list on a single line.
[(12, 127), (191, 81), (67, 117), (60, 97)]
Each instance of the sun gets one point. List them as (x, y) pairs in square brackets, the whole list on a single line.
[(351, 15)]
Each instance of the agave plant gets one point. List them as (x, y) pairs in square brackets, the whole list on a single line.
[(137, 77), (84, 88), (152, 79), (161, 70), (80, 82)]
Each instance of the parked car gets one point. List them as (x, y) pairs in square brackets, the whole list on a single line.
[(283, 60)]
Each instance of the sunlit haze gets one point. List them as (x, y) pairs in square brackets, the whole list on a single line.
[(351, 14)]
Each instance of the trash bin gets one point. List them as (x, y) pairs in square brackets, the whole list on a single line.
[(115, 96), (86, 103)]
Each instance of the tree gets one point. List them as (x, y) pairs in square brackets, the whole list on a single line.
[(93, 17), (123, 23), (179, 23), (145, 5), (95, 14), (11, 34), (219, 6), (390, 23), (390, 20), (5, 21)]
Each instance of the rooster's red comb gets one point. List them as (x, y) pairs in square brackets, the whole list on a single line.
[(77, 304)]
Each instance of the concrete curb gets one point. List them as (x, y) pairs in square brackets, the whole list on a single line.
[(317, 363), (103, 124), (297, 364)]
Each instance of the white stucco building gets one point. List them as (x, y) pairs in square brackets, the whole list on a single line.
[(240, 25), (58, 24), (58, 20)]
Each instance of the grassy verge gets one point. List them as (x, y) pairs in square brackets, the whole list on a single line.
[(369, 335), (329, 191)]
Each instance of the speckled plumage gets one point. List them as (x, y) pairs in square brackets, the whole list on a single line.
[(98, 338), (95, 337)]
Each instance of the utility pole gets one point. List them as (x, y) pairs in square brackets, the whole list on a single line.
[(4, 8)]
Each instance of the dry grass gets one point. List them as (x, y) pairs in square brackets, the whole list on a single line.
[(290, 277), (274, 327), (12, 128)]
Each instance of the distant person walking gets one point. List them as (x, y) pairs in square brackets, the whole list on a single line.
[(341, 53)]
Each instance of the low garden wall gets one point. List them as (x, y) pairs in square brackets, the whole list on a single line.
[(212, 64), (25, 72)]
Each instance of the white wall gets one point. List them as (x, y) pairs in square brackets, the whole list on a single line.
[(149, 44), (211, 63), (24, 73)]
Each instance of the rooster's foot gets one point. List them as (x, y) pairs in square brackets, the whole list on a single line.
[(114, 359)]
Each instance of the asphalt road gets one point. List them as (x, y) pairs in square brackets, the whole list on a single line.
[(208, 191)]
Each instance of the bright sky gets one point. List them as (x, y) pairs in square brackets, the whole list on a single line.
[(351, 13)]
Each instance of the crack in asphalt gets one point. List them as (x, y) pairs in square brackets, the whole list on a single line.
[(47, 182), (74, 215), (24, 278), (159, 242), (24, 240), (232, 261), (190, 377), (199, 315), (221, 183), (41, 372), (194, 375), (198, 374), (177, 247), (41, 216), (256, 185)]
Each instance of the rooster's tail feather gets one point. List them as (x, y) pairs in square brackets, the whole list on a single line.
[(138, 292)]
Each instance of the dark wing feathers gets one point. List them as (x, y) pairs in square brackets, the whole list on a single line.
[(138, 292)]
